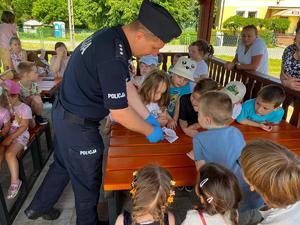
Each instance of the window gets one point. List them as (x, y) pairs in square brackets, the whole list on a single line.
[(240, 13), (252, 14)]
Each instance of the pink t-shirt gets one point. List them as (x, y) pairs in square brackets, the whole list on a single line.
[(7, 30), (4, 116), (23, 111)]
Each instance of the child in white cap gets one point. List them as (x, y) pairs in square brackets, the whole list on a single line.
[(236, 91), (181, 74)]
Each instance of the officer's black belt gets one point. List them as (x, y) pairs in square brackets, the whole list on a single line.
[(77, 120)]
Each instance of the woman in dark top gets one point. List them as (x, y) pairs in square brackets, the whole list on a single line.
[(290, 67)]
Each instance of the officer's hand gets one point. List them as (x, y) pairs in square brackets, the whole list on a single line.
[(150, 119), (156, 135)]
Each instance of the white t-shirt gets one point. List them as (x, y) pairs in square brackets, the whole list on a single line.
[(236, 111), (193, 218), (154, 109), (257, 48), (282, 216), (201, 68)]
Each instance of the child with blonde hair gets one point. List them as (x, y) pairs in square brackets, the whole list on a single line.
[(4, 118), (17, 54), (27, 72), (223, 144), (154, 94), (59, 61), (18, 136), (265, 109), (152, 192), (274, 172), (219, 194)]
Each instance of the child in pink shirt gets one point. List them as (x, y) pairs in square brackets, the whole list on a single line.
[(4, 119), (18, 135), (8, 29)]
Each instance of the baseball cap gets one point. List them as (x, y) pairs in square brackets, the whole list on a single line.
[(235, 90), (12, 87), (159, 21), (149, 60)]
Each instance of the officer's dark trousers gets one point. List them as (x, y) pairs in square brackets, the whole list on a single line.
[(77, 157)]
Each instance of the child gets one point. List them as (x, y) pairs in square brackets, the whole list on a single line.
[(59, 61), (199, 51), (18, 135), (181, 74), (175, 59), (274, 172), (28, 75), (154, 94), (17, 54), (43, 67), (152, 192), (4, 119), (265, 110), (236, 91), (188, 113), (147, 64), (223, 144), (219, 193), (8, 29)]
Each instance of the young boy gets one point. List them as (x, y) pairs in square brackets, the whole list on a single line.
[(188, 109), (223, 144), (274, 172), (147, 64), (181, 74), (264, 110), (236, 91), (27, 73)]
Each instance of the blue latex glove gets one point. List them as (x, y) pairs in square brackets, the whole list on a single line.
[(150, 119), (156, 135)]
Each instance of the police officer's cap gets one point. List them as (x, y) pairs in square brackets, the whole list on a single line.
[(159, 21)]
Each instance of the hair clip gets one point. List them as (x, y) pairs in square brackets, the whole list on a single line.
[(171, 197), (203, 182), (172, 182), (210, 199)]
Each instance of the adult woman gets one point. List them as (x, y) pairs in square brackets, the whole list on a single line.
[(251, 53), (290, 67)]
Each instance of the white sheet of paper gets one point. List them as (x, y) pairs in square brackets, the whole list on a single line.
[(170, 135)]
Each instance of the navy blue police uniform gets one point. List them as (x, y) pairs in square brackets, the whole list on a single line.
[(94, 82)]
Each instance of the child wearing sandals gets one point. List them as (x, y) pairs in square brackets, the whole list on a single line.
[(152, 192), (274, 172), (18, 136), (219, 194)]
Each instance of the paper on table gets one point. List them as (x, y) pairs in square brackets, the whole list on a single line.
[(170, 135)]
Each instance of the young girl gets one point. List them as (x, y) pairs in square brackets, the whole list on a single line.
[(155, 95), (17, 54), (8, 29), (152, 192), (181, 74), (273, 172), (29, 94), (59, 61), (4, 119), (18, 135), (219, 194), (199, 51)]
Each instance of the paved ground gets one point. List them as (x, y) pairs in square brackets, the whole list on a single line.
[(183, 201)]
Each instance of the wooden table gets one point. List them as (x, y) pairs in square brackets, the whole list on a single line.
[(130, 151), (49, 88)]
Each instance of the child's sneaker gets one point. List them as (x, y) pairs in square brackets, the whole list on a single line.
[(40, 120), (14, 189), (188, 188)]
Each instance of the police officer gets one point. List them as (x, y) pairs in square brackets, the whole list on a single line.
[(96, 82)]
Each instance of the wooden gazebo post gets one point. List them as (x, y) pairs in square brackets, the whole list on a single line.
[(205, 19)]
